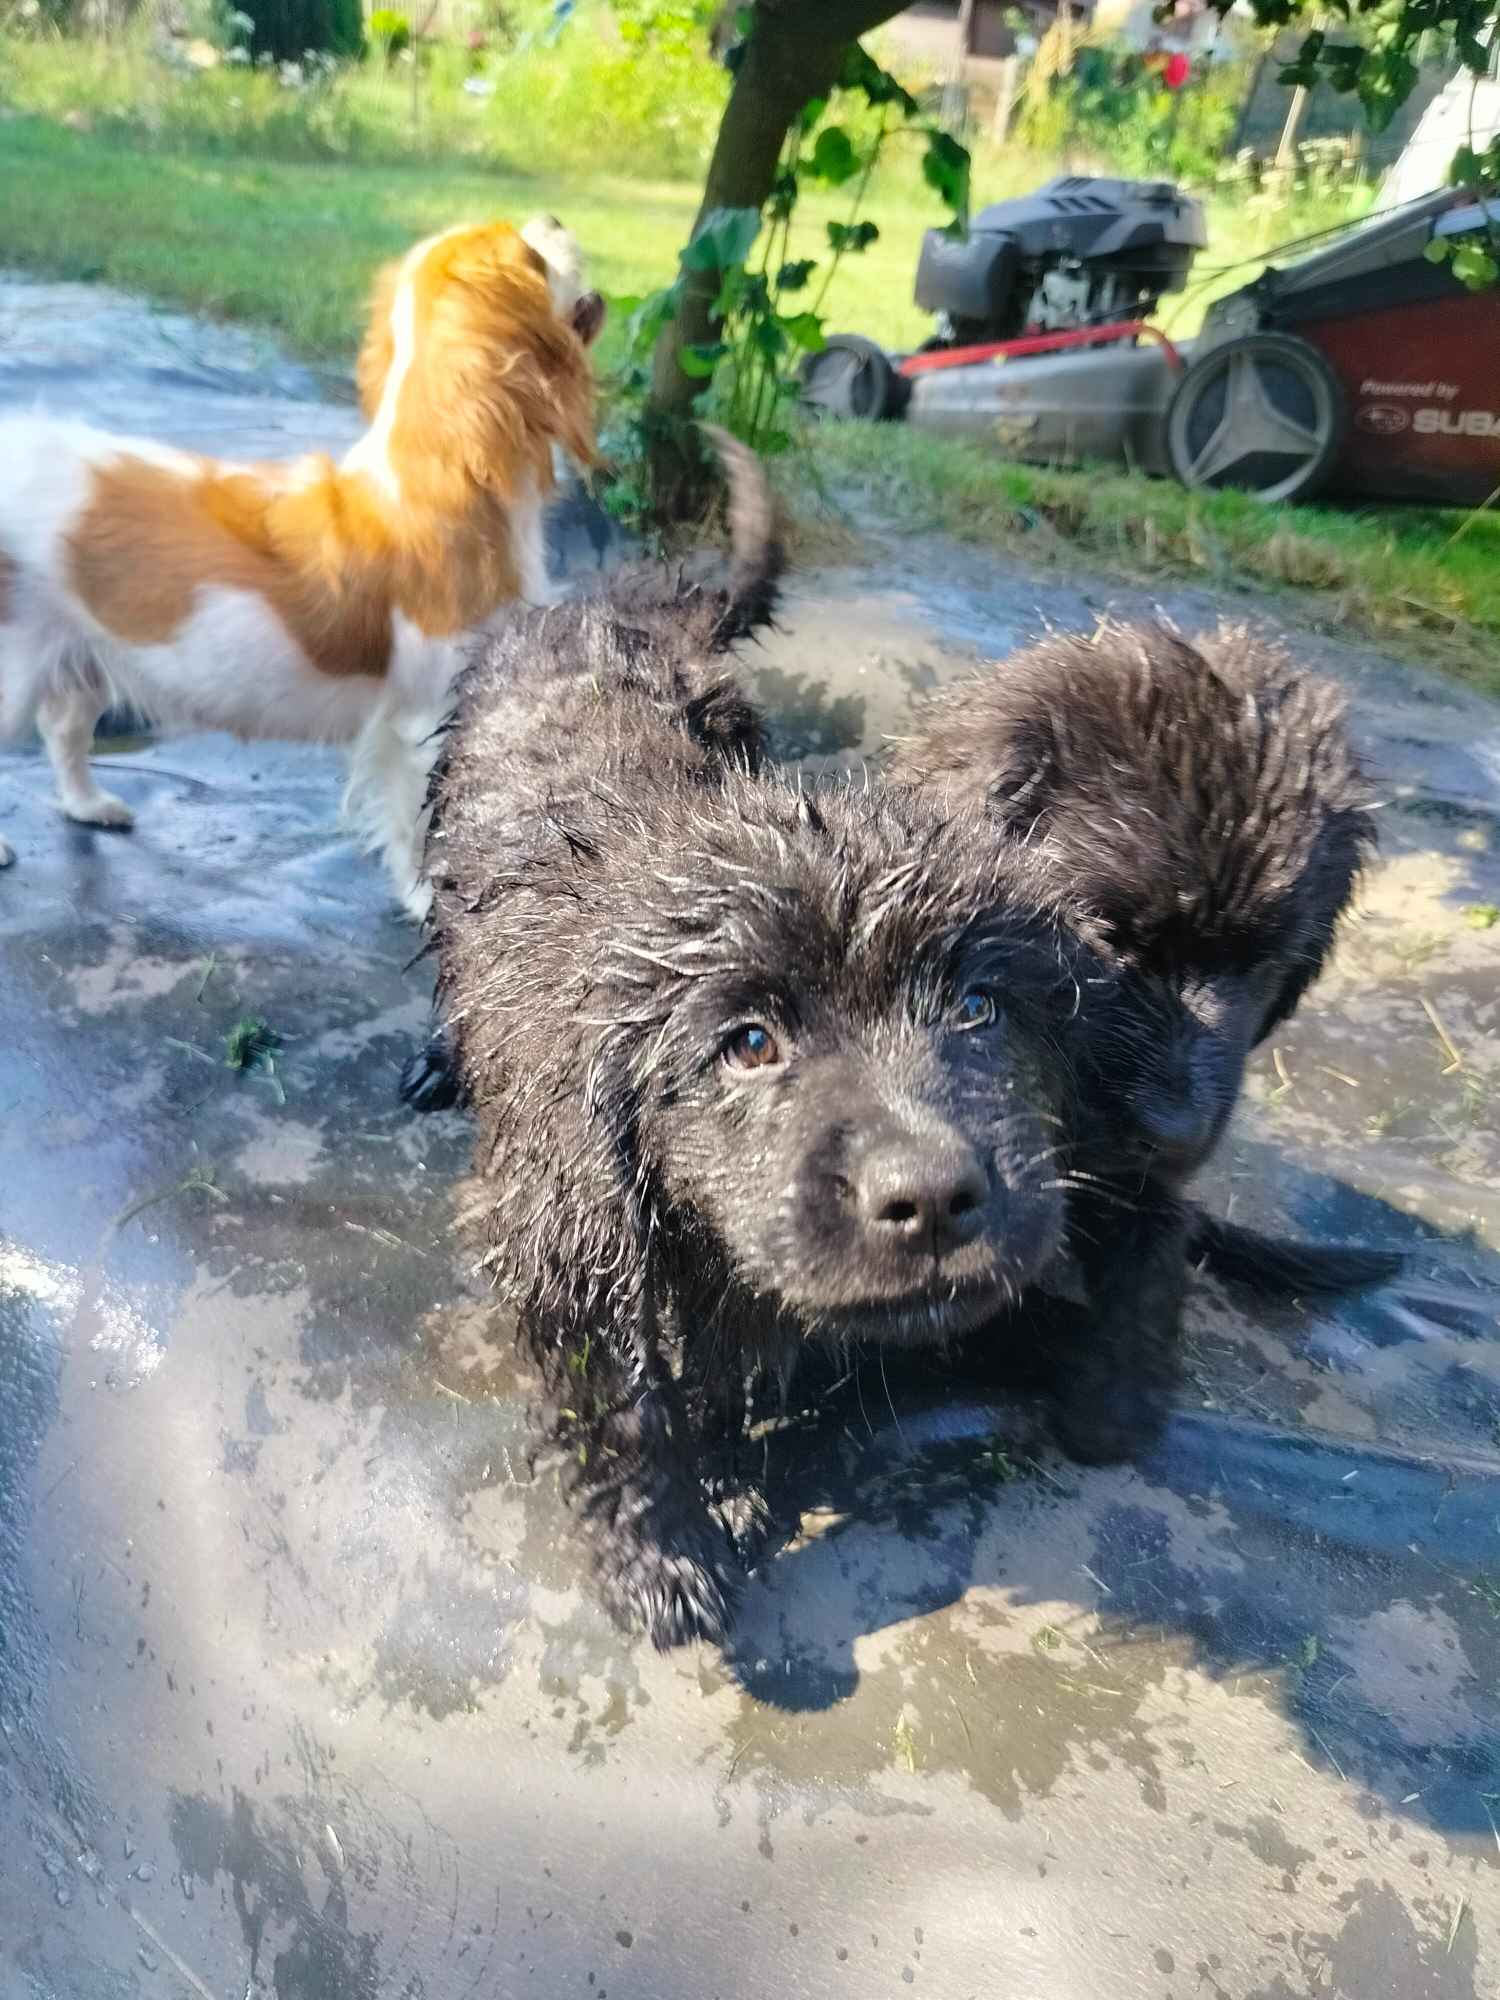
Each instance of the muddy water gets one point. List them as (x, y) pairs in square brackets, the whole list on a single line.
[(301, 1690)]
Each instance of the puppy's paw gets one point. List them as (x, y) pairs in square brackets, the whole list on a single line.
[(417, 902), (429, 1079), (747, 1520), (1096, 1431), (103, 809), (678, 1598)]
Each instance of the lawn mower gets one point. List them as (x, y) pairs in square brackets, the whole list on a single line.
[(1363, 367)]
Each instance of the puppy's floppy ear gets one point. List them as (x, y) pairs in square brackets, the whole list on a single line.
[(1020, 776)]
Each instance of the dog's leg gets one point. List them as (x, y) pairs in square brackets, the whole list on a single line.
[(733, 1469), (66, 717), (404, 816), (1116, 1360), (663, 1559), (386, 799)]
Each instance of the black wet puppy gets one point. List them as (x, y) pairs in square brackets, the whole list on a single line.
[(1199, 809), (751, 1069)]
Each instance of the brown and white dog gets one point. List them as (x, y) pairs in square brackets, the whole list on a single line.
[(309, 600)]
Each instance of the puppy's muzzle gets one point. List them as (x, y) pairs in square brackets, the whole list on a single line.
[(919, 1197)]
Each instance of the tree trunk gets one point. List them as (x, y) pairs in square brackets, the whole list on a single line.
[(791, 56)]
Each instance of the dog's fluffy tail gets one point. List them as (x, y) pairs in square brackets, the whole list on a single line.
[(1286, 1269), (756, 539)]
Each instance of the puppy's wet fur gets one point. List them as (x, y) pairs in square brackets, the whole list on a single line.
[(754, 1069), (1198, 807)]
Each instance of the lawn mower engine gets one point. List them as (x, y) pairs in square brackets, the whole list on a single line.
[(1077, 253), (1061, 279)]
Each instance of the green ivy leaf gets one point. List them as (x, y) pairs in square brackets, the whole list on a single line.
[(833, 157), (650, 316), (700, 362), (768, 336), (1304, 71), (783, 196), (1341, 65), (793, 277), (812, 111), (725, 237), (1465, 170), (1439, 250), (945, 167), (1386, 77), (623, 500), (806, 330), (1474, 266), (731, 292), (843, 236), (860, 72)]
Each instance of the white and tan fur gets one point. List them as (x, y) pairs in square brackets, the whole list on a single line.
[(308, 600)]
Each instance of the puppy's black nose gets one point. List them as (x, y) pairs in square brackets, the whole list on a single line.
[(926, 1198)]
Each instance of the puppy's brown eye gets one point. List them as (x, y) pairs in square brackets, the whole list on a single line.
[(754, 1047), (975, 1009)]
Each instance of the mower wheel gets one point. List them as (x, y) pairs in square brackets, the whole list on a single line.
[(1264, 414), (852, 377)]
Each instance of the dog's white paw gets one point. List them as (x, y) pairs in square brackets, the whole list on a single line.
[(417, 902), (103, 810), (7, 854)]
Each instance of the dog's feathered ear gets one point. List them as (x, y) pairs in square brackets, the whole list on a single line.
[(497, 378)]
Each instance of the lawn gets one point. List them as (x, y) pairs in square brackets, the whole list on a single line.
[(225, 193), (277, 213)]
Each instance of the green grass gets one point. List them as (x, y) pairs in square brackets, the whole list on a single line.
[(621, 109), (292, 246), (225, 193)]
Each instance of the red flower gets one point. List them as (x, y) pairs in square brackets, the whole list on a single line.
[(1175, 71)]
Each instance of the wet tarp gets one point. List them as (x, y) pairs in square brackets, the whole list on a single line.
[(302, 1691)]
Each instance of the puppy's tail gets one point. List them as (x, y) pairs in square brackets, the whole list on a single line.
[(756, 540), (1286, 1269)]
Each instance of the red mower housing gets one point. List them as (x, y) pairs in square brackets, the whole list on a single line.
[(1366, 369)]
